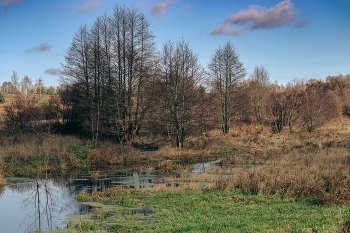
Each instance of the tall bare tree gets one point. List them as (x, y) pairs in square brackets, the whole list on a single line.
[(226, 72), (108, 67), (15, 81), (180, 72), (258, 90)]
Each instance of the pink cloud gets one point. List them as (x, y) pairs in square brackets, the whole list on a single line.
[(7, 3), (90, 5), (41, 48), (256, 17), (160, 9)]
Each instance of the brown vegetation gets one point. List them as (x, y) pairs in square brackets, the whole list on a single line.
[(2, 179), (323, 176)]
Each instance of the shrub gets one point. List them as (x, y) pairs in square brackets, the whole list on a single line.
[(2, 98), (43, 102)]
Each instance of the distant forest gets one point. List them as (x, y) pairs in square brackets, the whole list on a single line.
[(115, 85)]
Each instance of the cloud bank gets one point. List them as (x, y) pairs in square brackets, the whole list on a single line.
[(256, 17), (7, 3), (89, 5), (161, 8), (41, 48), (53, 71)]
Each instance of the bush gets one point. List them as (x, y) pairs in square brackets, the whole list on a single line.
[(43, 102), (2, 98)]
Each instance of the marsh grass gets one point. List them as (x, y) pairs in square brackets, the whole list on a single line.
[(45, 153), (190, 209), (323, 177)]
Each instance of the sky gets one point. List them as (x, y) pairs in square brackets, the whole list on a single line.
[(295, 40)]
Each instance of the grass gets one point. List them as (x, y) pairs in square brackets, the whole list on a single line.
[(2, 180), (212, 210)]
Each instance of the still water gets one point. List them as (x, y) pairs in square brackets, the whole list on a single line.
[(28, 205)]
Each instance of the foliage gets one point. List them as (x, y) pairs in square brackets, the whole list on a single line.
[(81, 151), (43, 102)]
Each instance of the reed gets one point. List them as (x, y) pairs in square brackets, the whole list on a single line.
[(324, 177)]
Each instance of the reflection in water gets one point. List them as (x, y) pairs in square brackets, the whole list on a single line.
[(42, 204), (35, 205), (202, 167), (2, 188)]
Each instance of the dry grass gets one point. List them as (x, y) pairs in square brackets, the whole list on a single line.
[(322, 176), (2, 179), (45, 152), (169, 165), (9, 98)]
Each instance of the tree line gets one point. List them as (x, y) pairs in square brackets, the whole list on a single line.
[(117, 86)]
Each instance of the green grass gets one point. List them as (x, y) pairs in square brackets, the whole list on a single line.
[(217, 211)]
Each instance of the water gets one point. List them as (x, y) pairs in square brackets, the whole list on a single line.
[(28, 205)]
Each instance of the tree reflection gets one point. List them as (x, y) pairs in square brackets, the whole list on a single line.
[(2, 188), (41, 204)]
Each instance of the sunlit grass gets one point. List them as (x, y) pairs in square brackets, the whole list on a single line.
[(212, 210)]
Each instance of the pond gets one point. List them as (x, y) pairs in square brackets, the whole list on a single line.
[(28, 205)]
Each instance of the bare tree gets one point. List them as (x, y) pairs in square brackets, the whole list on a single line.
[(26, 85), (276, 109), (180, 72), (318, 108), (15, 81), (108, 67), (293, 93), (226, 72), (7, 87), (258, 90)]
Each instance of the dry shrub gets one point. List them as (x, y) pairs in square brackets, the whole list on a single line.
[(101, 157), (53, 150), (324, 177)]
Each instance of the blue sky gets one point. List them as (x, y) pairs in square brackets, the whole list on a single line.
[(293, 39)]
